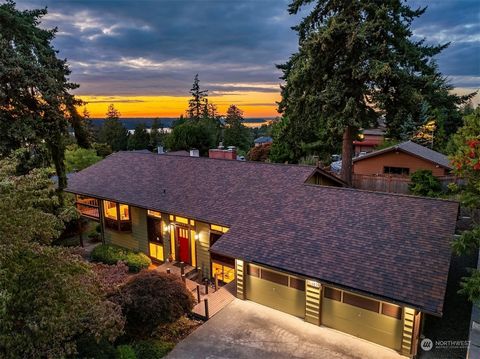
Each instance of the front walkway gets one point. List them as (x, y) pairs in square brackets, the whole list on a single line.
[(245, 330), (217, 300)]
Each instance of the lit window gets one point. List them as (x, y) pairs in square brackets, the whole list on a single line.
[(110, 209), (218, 228), (154, 214), (117, 216)]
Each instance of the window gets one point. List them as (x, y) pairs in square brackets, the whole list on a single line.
[(88, 206), (154, 214), (361, 302), (392, 310), (274, 277), (402, 171), (117, 216), (217, 228), (297, 283), (333, 294), (223, 267), (253, 271)]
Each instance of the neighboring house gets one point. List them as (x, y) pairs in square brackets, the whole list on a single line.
[(370, 138), (402, 160), (262, 140), (368, 264)]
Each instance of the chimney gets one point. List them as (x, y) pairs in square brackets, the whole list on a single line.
[(160, 150), (229, 154), (194, 152)]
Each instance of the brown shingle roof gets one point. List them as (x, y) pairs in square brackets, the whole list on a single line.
[(393, 246), (413, 149)]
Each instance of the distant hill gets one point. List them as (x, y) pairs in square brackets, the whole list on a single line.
[(130, 123)]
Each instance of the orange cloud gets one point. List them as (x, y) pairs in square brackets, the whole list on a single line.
[(253, 104)]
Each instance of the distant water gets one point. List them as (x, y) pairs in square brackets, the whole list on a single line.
[(130, 123)]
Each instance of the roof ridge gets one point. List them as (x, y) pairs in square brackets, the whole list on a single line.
[(224, 159), (390, 194)]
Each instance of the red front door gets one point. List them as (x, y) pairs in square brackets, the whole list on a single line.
[(183, 247)]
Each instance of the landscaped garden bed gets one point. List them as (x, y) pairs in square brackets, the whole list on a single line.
[(110, 254)]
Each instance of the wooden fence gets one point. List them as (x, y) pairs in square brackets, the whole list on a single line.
[(393, 184)]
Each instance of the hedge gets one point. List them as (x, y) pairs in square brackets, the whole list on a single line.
[(110, 254)]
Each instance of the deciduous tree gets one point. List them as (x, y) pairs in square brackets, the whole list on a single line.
[(466, 162)]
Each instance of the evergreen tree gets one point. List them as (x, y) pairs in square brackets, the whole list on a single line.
[(35, 99), (235, 133), (356, 62), (196, 105), (140, 139), (113, 133)]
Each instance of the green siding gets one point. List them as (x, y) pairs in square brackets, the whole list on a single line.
[(137, 239), (203, 247)]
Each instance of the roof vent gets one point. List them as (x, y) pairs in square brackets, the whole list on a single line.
[(194, 152)]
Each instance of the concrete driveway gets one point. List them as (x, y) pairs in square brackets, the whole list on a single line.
[(244, 329)]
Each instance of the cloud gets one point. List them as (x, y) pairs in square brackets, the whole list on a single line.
[(156, 47)]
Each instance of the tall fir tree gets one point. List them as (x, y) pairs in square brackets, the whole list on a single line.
[(35, 99), (113, 133), (196, 105), (356, 63)]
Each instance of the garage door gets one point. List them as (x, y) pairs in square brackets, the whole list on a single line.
[(275, 290), (363, 317)]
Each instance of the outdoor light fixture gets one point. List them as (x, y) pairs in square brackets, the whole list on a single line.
[(197, 237)]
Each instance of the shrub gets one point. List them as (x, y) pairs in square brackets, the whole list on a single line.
[(88, 347), (110, 254), (150, 299), (125, 352), (152, 349), (424, 183)]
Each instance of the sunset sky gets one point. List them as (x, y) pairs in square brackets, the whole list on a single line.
[(142, 55)]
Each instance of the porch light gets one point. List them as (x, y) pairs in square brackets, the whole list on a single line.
[(197, 237)]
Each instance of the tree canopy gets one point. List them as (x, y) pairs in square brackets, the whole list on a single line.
[(198, 103), (356, 63), (140, 140), (35, 100), (113, 133), (235, 132), (466, 162), (77, 158)]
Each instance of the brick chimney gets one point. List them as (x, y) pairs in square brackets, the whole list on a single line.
[(229, 154)]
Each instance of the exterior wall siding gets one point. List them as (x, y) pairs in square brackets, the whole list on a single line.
[(136, 240), (203, 248), (374, 165)]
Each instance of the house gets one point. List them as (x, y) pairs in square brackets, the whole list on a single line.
[(402, 160), (289, 241), (262, 140), (370, 138)]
